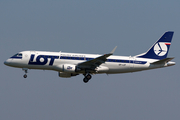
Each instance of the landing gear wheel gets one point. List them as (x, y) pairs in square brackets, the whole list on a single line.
[(85, 80), (88, 76), (26, 71), (25, 76)]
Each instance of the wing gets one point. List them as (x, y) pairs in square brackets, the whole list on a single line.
[(92, 64)]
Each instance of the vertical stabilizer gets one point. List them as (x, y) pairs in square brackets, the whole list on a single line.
[(160, 48)]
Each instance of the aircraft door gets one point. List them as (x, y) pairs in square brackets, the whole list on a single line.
[(26, 55)]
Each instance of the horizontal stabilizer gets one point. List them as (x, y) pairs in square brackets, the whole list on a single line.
[(166, 60)]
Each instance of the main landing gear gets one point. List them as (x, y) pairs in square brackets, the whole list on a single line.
[(87, 78), (26, 71)]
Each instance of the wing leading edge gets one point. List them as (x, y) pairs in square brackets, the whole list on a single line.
[(92, 64)]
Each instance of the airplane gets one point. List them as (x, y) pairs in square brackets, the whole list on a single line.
[(71, 64)]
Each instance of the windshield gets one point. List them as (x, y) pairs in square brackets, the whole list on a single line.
[(18, 56)]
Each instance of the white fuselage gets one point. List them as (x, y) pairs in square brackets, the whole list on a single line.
[(56, 60)]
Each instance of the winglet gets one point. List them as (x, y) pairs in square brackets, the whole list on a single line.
[(113, 50)]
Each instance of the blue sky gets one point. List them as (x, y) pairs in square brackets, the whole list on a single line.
[(82, 26)]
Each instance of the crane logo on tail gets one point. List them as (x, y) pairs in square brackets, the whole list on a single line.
[(160, 48)]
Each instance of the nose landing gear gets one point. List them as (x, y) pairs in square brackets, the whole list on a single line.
[(87, 78), (26, 71), (25, 75)]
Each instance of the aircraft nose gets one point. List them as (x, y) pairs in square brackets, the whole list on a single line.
[(7, 62)]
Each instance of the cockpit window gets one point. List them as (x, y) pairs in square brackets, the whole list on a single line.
[(18, 56)]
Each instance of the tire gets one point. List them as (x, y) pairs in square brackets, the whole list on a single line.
[(85, 80), (88, 76), (25, 76)]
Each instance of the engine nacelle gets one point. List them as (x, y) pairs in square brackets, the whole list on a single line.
[(69, 68), (66, 75), (66, 68)]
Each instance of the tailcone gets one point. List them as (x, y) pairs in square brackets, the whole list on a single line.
[(170, 63)]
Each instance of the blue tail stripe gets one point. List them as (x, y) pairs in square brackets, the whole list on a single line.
[(161, 48)]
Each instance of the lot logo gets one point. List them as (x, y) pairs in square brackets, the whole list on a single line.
[(42, 59)]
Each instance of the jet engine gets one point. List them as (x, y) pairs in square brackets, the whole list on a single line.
[(69, 68), (66, 68), (67, 75)]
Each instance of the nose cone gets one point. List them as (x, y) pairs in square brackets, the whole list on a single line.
[(7, 62)]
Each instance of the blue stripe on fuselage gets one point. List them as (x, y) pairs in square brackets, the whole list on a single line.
[(108, 60), (16, 57)]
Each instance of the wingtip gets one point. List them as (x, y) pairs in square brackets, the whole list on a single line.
[(113, 50)]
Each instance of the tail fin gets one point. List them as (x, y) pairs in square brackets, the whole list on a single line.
[(160, 48)]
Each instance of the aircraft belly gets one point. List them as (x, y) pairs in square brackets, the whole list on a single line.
[(125, 68), (118, 68), (44, 67)]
